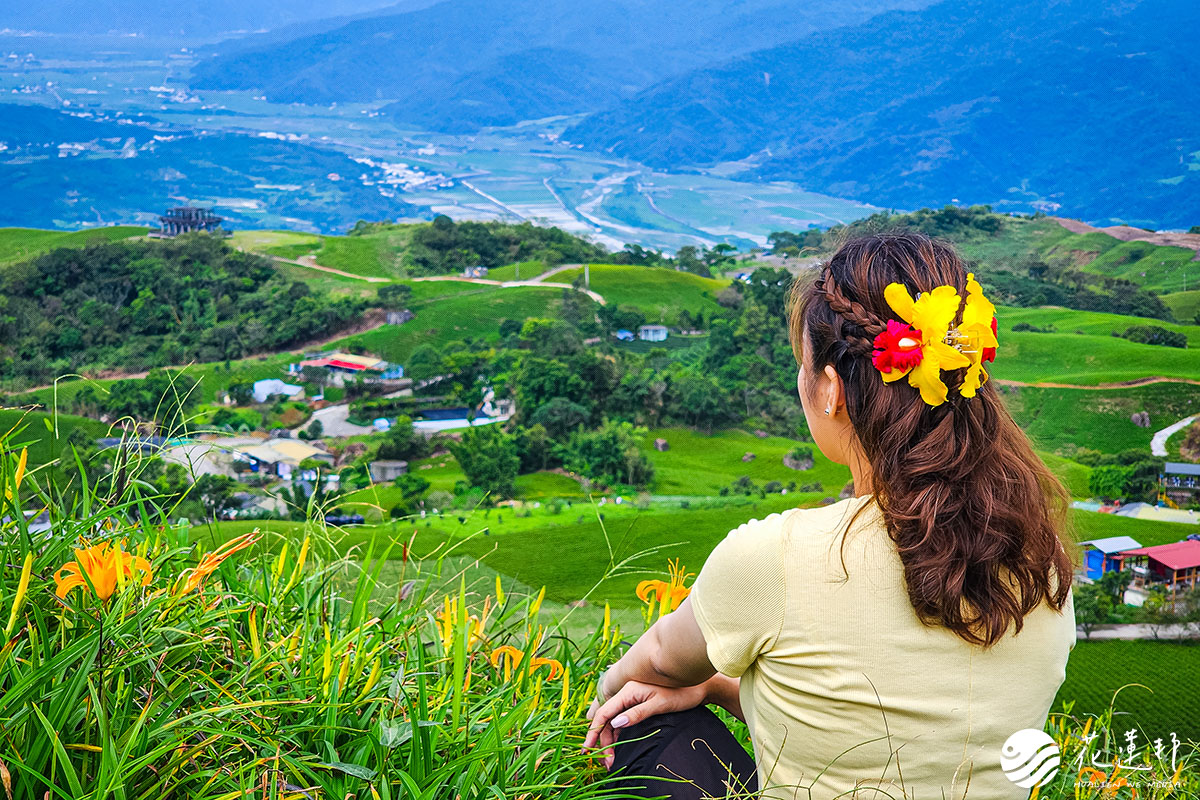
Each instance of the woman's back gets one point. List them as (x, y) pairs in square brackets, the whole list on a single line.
[(843, 686)]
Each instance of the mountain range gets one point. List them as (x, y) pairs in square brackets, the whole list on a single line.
[(1087, 107), (211, 18), (463, 64)]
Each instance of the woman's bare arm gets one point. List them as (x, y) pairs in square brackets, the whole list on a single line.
[(672, 653)]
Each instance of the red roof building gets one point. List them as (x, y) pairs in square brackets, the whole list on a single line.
[(1177, 564)]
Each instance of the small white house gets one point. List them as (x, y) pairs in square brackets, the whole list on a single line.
[(268, 388), (652, 333)]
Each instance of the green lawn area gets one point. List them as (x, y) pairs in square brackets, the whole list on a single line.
[(285, 244), (376, 255), (528, 271), (20, 244), (1071, 473), (1166, 702), (700, 464), (473, 311), (1094, 525), (1062, 420), (659, 292)]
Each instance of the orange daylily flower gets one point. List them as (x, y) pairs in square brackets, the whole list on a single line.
[(192, 579), (105, 565), (669, 594), (513, 657)]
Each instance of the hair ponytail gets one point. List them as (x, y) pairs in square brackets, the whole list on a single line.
[(975, 515)]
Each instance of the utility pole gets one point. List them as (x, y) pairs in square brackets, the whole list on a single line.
[(587, 279)]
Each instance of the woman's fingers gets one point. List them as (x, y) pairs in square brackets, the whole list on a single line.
[(630, 695)]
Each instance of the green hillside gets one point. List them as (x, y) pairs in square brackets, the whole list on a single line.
[(21, 244), (1098, 323), (1063, 420)]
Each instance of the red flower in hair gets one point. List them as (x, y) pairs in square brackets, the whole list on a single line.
[(897, 348), (989, 353)]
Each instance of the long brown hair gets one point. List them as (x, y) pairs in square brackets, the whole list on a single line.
[(974, 513)]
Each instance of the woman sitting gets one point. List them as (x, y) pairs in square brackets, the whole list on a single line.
[(885, 646)]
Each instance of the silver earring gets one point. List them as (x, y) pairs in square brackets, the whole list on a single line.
[(827, 410)]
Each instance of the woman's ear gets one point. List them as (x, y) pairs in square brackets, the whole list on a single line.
[(834, 391)]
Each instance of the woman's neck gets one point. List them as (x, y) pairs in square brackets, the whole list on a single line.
[(860, 471)]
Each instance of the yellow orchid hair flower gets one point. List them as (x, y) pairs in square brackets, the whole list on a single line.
[(927, 341)]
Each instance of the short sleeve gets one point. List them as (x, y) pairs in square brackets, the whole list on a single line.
[(739, 596)]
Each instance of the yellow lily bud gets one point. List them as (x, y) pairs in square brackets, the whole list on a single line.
[(22, 590), (278, 571), (499, 592), (255, 644), (536, 605)]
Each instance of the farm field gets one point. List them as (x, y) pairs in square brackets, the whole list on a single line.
[(1097, 669)]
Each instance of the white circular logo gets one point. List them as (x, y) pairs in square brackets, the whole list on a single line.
[(1029, 757)]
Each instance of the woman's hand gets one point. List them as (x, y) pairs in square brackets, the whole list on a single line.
[(633, 703)]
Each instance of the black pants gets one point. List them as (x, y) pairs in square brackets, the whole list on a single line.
[(683, 755)]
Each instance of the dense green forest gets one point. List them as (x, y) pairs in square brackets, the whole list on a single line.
[(143, 304)]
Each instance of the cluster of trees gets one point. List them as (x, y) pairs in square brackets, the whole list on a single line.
[(1103, 602), (449, 246), (145, 304), (1130, 475), (610, 455), (163, 396), (950, 222), (1153, 334)]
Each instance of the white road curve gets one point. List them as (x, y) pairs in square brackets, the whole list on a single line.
[(1158, 445)]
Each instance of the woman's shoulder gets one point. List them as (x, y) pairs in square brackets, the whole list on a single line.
[(810, 524)]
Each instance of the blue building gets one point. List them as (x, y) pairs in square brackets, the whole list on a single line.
[(1098, 554)]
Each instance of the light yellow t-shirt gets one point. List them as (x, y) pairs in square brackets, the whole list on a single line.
[(845, 691)]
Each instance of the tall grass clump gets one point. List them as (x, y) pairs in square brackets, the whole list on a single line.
[(141, 660), (145, 659)]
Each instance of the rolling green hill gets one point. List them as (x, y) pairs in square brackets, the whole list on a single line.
[(1087, 360), (471, 310)]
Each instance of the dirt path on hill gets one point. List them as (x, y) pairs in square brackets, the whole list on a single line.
[(1188, 241), (1098, 386), (599, 298), (309, 262)]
